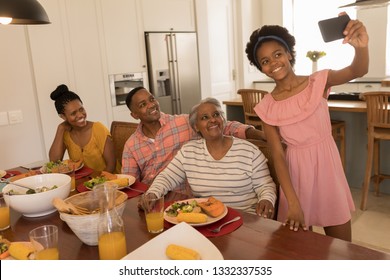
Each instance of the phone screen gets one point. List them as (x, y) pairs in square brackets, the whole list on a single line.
[(332, 28)]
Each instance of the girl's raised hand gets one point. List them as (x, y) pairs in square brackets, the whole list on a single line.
[(356, 34)]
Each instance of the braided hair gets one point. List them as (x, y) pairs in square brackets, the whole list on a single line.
[(62, 96)]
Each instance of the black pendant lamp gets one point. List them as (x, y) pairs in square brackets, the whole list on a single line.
[(365, 4), (22, 12)]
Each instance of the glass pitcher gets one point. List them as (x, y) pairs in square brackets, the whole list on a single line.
[(111, 233)]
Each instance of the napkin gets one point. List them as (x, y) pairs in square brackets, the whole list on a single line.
[(232, 213)]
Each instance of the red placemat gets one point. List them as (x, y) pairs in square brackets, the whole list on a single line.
[(232, 213), (139, 188), (83, 172)]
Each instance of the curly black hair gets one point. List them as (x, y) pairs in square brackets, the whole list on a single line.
[(62, 96), (279, 34)]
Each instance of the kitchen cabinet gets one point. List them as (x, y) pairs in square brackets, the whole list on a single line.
[(168, 15), (358, 87), (123, 36)]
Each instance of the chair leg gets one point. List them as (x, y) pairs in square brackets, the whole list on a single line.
[(376, 159), (367, 177)]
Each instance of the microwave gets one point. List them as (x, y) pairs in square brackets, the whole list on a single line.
[(122, 84)]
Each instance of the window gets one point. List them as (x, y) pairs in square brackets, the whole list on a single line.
[(302, 22)]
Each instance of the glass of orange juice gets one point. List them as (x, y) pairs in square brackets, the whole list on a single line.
[(45, 242), (154, 212), (4, 214)]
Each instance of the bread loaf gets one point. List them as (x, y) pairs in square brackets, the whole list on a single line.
[(212, 207), (194, 218), (177, 252)]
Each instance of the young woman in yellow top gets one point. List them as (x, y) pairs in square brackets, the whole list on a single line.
[(86, 140)]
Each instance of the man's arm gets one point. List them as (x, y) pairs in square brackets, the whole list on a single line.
[(253, 133)]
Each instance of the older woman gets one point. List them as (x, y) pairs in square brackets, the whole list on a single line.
[(230, 169), (86, 140)]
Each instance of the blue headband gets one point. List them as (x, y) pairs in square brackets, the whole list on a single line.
[(262, 38)]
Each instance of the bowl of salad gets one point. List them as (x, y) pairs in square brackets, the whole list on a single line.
[(38, 203)]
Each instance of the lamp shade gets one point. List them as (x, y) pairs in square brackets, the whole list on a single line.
[(364, 4), (23, 12)]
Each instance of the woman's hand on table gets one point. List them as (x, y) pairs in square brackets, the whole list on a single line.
[(265, 209)]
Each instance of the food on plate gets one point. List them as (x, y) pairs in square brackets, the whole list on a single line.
[(21, 250), (24, 175), (121, 182), (105, 176), (212, 207), (61, 166), (183, 207), (4, 248), (95, 181), (31, 191), (73, 164), (194, 218), (177, 252), (108, 175)]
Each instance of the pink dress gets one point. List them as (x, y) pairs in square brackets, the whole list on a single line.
[(312, 156)]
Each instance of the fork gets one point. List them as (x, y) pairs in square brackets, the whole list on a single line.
[(218, 229)]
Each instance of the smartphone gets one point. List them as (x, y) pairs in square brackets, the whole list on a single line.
[(332, 28)]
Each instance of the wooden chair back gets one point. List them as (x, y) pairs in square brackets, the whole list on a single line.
[(266, 150), (250, 98), (120, 132), (378, 109)]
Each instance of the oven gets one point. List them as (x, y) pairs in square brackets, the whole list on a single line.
[(122, 84)]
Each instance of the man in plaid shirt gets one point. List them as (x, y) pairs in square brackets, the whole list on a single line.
[(159, 136)]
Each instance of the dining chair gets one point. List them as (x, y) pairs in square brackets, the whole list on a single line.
[(265, 148), (120, 132), (338, 133), (250, 98), (378, 128)]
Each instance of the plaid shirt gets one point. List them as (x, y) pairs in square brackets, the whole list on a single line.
[(145, 158)]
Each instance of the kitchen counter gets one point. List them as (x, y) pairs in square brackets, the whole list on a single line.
[(354, 115)]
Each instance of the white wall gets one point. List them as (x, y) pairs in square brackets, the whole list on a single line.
[(20, 143)]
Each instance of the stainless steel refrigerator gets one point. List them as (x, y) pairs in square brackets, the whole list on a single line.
[(173, 70)]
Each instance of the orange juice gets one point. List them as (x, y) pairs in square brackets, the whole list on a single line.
[(112, 246), (4, 218), (73, 183), (155, 222), (47, 254)]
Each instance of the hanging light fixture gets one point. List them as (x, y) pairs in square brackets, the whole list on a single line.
[(365, 4), (22, 12)]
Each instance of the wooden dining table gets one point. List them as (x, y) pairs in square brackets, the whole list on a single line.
[(257, 238)]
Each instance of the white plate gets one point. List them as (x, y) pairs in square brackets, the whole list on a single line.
[(181, 234), (210, 220), (131, 180), (43, 169), (2, 173)]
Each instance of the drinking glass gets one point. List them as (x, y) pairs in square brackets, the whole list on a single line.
[(154, 212), (4, 214), (45, 242)]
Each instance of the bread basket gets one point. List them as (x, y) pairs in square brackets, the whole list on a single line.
[(85, 226)]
